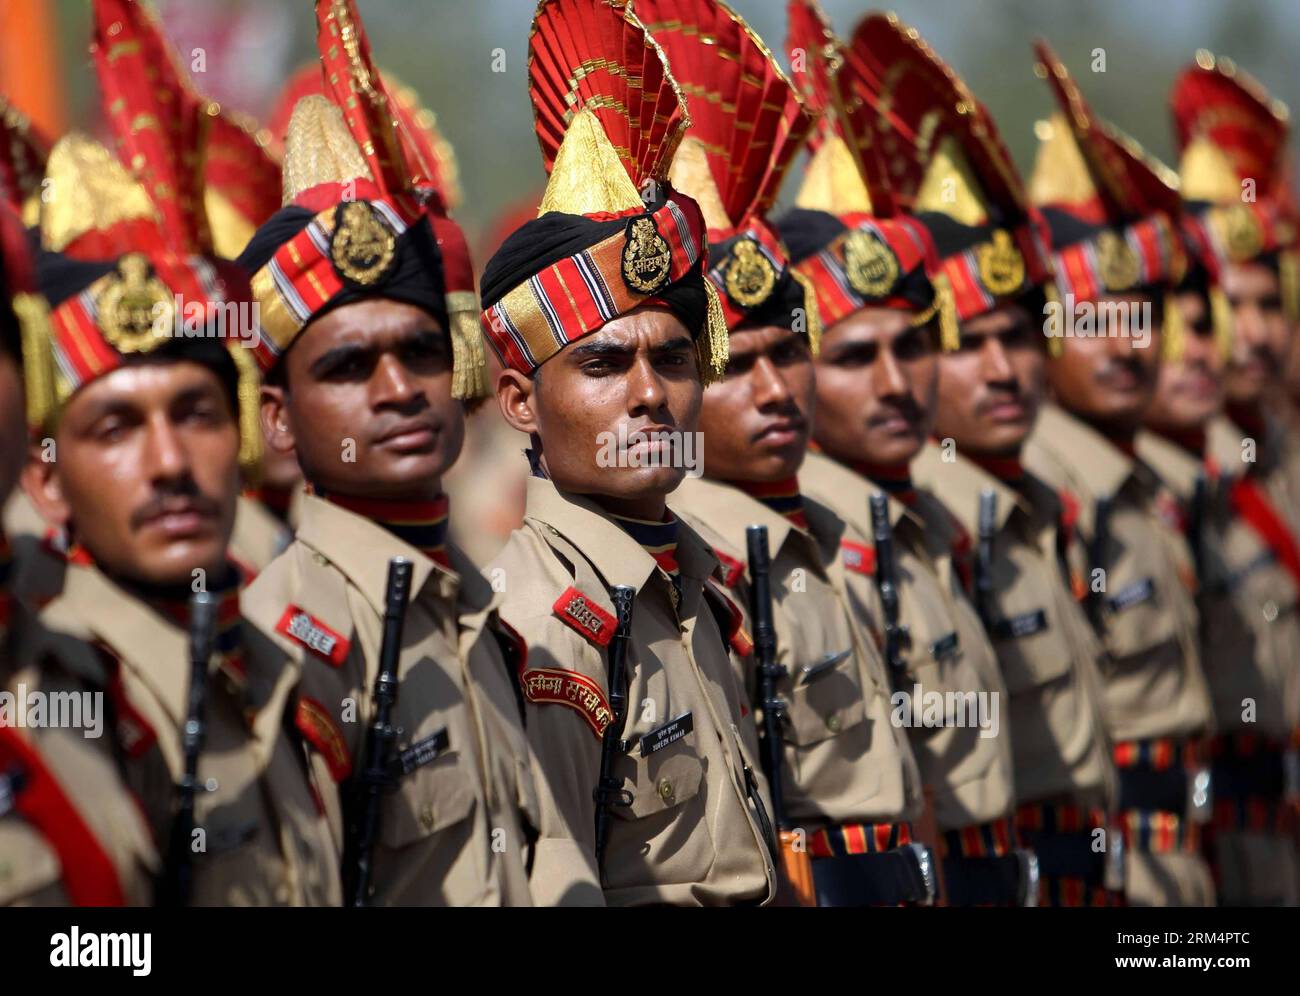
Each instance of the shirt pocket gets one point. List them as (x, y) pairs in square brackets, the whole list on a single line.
[(1031, 648), (824, 698), (661, 781), (431, 799), (1138, 620)]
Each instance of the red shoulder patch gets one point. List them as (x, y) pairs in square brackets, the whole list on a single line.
[(858, 557), (303, 628), (581, 612), (732, 569), (1069, 509), (569, 688), (316, 724)]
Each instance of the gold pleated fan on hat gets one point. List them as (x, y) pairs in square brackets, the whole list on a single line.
[(609, 117)]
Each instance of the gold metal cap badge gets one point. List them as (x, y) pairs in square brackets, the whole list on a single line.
[(135, 309), (1002, 267), (750, 276), (870, 266), (1242, 233), (1117, 263), (363, 247), (647, 257)]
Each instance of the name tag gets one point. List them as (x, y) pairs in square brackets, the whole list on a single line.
[(229, 838), (809, 671), (944, 646), (1134, 594), (423, 752), (670, 733), (1017, 627)]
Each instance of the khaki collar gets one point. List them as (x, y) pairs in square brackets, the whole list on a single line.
[(729, 511), (845, 492), (1095, 457), (361, 549), (618, 558), (1174, 465), (958, 485), (150, 644)]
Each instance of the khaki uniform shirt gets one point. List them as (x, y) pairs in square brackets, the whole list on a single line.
[(1153, 682), (1049, 655), (969, 769), (456, 832), (690, 835), (258, 537), (1249, 624), (264, 840), (844, 762), (95, 823)]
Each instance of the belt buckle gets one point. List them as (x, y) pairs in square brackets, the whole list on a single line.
[(1113, 877), (1028, 886), (1200, 795), (924, 858)]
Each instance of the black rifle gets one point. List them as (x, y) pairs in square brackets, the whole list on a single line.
[(769, 671), (1196, 526), (609, 790), (1097, 558), (178, 875), (988, 513), (887, 585), (377, 777)]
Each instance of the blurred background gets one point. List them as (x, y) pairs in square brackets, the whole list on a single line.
[(446, 50)]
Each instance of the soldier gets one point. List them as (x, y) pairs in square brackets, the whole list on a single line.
[(1028, 579), (1248, 586), (70, 831), (885, 322), (606, 327), (1117, 252), (848, 779), (139, 462), (371, 355), (1231, 138), (1247, 598)]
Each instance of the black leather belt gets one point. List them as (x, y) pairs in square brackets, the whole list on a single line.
[(882, 878)]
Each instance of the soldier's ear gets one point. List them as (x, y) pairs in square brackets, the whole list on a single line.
[(276, 429), (515, 395), (40, 480)]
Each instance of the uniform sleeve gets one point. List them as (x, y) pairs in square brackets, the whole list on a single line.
[(566, 749)]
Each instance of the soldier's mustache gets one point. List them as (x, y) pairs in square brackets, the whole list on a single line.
[(174, 501)]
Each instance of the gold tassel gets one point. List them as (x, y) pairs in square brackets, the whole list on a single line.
[(812, 316), (1221, 321), (33, 315), (1288, 264), (1055, 347), (713, 346), (469, 361), (250, 422), (946, 302), (1172, 338)]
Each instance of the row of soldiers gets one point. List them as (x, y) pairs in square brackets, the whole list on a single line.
[(1005, 650)]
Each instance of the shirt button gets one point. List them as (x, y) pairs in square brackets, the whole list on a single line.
[(665, 790), (833, 724), (320, 558), (1270, 610), (426, 818)]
